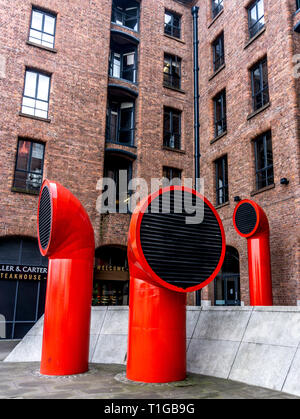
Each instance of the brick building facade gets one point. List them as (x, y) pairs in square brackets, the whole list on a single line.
[(120, 96)]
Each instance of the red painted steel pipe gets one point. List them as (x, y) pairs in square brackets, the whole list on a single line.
[(68, 241), (259, 259), (157, 310)]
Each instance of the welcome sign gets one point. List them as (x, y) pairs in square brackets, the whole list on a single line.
[(23, 272)]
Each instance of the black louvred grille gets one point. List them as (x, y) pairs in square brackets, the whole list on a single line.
[(45, 217), (184, 255), (245, 218)]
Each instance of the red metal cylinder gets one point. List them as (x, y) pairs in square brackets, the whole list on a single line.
[(157, 309), (157, 334), (259, 259), (66, 236)]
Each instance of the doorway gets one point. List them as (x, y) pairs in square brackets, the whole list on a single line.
[(227, 283)]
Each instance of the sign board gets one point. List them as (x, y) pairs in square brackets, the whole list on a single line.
[(23, 272)]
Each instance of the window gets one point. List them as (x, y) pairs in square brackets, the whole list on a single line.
[(221, 180), (29, 166), (263, 161), (220, 113), (126, 13), (172, 174), (259, 82), (256, 18), (218, 52), (36, 94), (217, 6), (172, 24), (120, 123), (172, 128), (42, 28), (123, 64), (115, 167), (172, 71)]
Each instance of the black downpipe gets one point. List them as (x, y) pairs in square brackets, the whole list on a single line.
[(195, 10)]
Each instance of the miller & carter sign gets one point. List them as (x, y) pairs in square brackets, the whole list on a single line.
[(23, 272)]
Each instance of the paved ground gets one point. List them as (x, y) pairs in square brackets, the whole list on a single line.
[(102, 381)]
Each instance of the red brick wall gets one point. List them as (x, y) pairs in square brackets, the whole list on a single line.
[(279, 203), (74, 138)]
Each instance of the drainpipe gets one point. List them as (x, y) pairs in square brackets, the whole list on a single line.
[(197, 156)]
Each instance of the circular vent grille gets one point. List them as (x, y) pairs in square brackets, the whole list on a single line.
[(245, 218), (184, 255), (45, 217)]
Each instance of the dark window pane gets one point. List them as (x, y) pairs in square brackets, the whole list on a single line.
[(264, 161), (23, 155), (172, 128), (217, 6), (29, 166), (256, 17), (260, 88), (220, 113), (7, 298), (172, 24), (218, 52), (221, 180), (26, 302), (126, 13), (172, 71)]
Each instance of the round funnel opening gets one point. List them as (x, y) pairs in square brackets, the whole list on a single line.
[(45, 217), (245, 218), (182, 254)]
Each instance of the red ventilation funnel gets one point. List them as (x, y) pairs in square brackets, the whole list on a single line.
[(66, 236), (168, 258), (251, 222)]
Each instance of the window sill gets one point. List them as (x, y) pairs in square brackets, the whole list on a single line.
[(215, 18), (133, 83), (266, 188), (121, 144), (33, 44), (217, 72), (174, 38), (253, 114), (257, 35), (23, 191), (124, 27), (218, 137), (37, 118), (174, 88), (176, 150), (222, 205)]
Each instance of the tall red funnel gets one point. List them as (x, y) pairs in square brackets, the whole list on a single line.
[(168, 257), (66, 236), (251, 222)]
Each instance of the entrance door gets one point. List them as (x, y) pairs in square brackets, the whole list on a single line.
[(227, 283), (231, 289), (23, 273)]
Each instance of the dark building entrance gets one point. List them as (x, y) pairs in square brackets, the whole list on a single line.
[(23, 274), (227, 283), (111, 278)]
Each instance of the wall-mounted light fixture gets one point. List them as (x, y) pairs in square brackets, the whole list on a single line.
[(284, 181)]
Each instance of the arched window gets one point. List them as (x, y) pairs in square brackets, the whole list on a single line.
[(227, 283), (23, 273)]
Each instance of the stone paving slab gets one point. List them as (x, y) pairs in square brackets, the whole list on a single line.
[(23, 381)]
